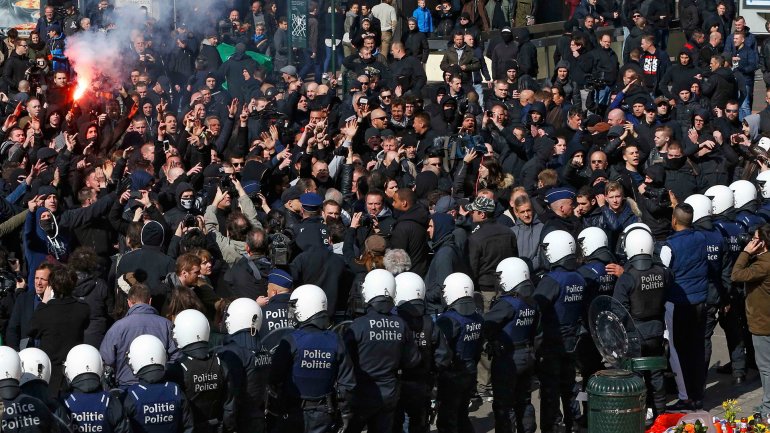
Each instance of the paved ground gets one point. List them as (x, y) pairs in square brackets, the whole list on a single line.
[(719, 388)]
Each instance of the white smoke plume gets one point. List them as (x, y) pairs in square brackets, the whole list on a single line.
[(100, 55)]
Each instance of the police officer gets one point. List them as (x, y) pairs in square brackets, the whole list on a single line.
[(512, 328), (379, 343), (685, 254), (763, 181), (597, 258), (461, 325), (204, 378), (642, 290), (311, 371), (241, 350), (276, 310), (417, 383), (732, 319), (90, 408), (560, 298), (718, 267), (311, 216), (154, 405), (21, 412), (746, 204), (35, 375)]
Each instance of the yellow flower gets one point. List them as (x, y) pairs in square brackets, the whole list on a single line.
[(689, 428)]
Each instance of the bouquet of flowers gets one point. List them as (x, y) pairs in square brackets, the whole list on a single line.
[(690, 427)]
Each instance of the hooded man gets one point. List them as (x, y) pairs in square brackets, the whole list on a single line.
[(150, 260), (447, 259), (47, 230)]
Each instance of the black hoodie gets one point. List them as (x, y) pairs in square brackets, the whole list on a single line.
[(410, 234)]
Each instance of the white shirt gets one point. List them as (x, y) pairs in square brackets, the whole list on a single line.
[(386, 14)]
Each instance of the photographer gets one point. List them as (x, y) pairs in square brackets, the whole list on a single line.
[(232, 245)]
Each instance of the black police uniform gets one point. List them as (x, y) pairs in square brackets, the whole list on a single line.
[(417, 383), (156, 406), (461, 325), (25, 414), (275, 314), (733, 321), (242, 349), (642, 291), (560, 298), (313, 376), (209, 387), (512, 327), (598, 282), (38, 388), (379, 344), (91, 409)]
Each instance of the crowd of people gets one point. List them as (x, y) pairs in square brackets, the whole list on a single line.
[(210, 244)]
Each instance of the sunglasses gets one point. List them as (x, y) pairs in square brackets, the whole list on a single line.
[(378, 118), (731, 111)]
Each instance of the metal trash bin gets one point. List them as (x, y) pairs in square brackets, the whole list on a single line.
[(616, 402)]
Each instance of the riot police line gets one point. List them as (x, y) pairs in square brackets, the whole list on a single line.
[(396, 365)]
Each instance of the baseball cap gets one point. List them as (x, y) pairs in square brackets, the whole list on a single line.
[(290, 194), (482, 204), (290, 70), (445, 204), (375, 244)]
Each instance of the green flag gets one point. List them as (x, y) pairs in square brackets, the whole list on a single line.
[(226, 50)]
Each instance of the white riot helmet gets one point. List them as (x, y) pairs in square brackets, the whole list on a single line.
[(456, 286), (35, 364), (512, 272), (763, 180), (591, 239), (146, 350), (743, 192), (81, 359), (409, 287), (243, 313), (306, 301), (190, 326), (10, 364), (701, 206), (557, 245), (378, 282), (638, 242), (721, 197)]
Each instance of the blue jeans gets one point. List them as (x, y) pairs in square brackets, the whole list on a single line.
[(745, 108), (479, 89), (328, 58)]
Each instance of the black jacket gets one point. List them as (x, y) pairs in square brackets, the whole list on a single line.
[(242, 282), (721, 87), (18, 326), (14, 69), (100, 299), (410, 234), (408, 73), (488, 245)]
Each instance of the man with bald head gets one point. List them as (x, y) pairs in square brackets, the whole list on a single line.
[(379, 119), (616, 117), (406, 71)]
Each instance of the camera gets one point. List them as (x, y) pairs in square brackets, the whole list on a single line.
[(658, 195), (363, 101), (595, 81), (280, 247), (190, 220), (227, 186), (7, 283)]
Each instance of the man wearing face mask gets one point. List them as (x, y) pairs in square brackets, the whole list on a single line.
[(682, 175), (48, 230), (502, 52), (185, 199)]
